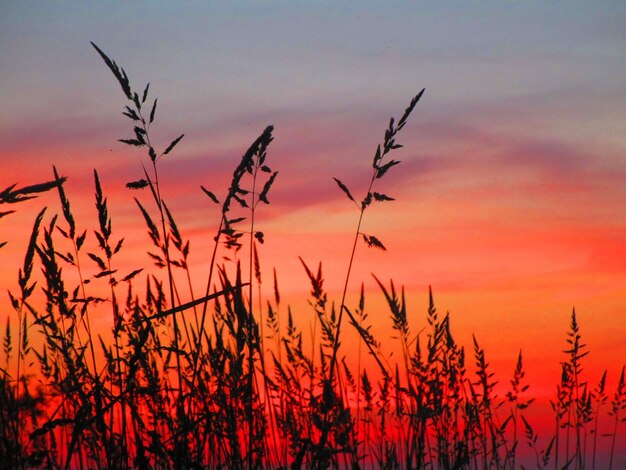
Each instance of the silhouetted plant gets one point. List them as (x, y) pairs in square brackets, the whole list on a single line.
[(13, 195)]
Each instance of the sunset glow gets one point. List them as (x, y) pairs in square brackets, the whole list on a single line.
[(510, 198)]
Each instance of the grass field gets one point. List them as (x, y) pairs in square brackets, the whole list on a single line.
[(225, 378)]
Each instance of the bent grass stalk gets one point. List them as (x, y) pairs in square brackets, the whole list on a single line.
[(380, 167)]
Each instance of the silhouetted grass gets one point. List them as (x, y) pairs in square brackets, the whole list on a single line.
[(222, 381)]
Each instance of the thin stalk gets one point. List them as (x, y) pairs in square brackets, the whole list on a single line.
[(198, 345), (18, 430), (514, 436), (556, 434), (358, 401), (333, 360), (601, 398), (251, 322), (618, 403), (182, 417)]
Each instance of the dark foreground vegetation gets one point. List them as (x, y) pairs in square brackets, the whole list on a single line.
[(225, 379)]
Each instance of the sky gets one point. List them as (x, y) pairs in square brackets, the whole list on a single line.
[(511, 194)]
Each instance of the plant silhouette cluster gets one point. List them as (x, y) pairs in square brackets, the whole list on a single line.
[(226, 379)]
